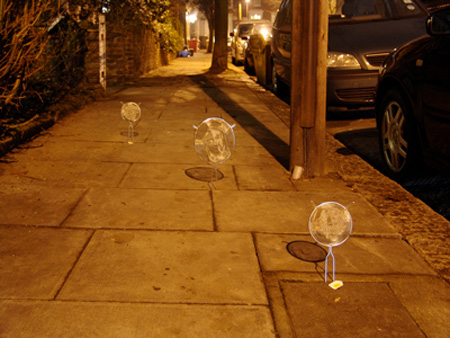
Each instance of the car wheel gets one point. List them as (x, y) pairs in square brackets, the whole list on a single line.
[(275, 81), (249, 70), (278, 86), (397, 137)]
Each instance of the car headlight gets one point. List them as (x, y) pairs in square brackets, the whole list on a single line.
[(342, 60), (265, 34)]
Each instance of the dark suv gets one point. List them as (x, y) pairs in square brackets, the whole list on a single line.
[(361, 34)]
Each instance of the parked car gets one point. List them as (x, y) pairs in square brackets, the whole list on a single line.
[(413, 101), (434, 5), (239, 36), (260, 34), (361, 35)]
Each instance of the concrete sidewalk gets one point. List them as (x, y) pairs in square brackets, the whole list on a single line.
[(100, 238)]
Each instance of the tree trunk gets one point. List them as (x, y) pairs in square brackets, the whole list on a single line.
[(220, 56), (211, 37)]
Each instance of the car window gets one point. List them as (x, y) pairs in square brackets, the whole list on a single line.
[(372, 9), (284, 16), (261, 28), (244, 30)]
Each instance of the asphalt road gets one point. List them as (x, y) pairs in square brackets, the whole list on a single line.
[(357, 131)]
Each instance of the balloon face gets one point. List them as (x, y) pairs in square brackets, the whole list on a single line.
[(130, 112), (214, 141), (330, 224)]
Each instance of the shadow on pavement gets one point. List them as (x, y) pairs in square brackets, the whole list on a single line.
[(271, 142)]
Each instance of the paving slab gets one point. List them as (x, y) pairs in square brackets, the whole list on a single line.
[(156, 95), (174, 176), (355, 310), (99, 128), (427, 299), (167, 153), (370, 256), (195, 113), (35, 262), (263, 178), (143, 209), (244, 137), (190, 96), (77, 319), (329, 184), (63, 173), (174, 132), (252, 155), (67, 150), (37, 205), (288, 212), (170, 267)]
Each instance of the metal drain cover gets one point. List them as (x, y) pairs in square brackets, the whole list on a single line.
[(307, 251), (204, 174)]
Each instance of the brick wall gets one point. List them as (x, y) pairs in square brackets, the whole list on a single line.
[(128, 55)]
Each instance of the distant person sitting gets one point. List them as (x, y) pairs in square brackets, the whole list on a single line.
[(185, 53)]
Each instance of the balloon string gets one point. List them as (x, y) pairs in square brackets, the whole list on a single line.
[(130, 133)]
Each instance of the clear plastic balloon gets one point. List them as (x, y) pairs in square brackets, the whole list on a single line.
[(131, 113), (330, 224), (214, 140)]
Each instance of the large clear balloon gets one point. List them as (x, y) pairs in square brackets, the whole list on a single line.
[(131, 112), (214, 140), (330, 224)]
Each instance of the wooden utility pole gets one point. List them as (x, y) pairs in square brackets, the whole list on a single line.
[(308, 86)]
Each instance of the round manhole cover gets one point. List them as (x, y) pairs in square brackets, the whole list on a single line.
[(307, 251), (204, 174)]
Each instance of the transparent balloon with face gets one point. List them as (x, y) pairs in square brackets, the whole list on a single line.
[(131, 113), (330, 224), (214, 140)]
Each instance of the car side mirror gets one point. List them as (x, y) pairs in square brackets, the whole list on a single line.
[(231, 34), (439, 23), (244, 37)]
